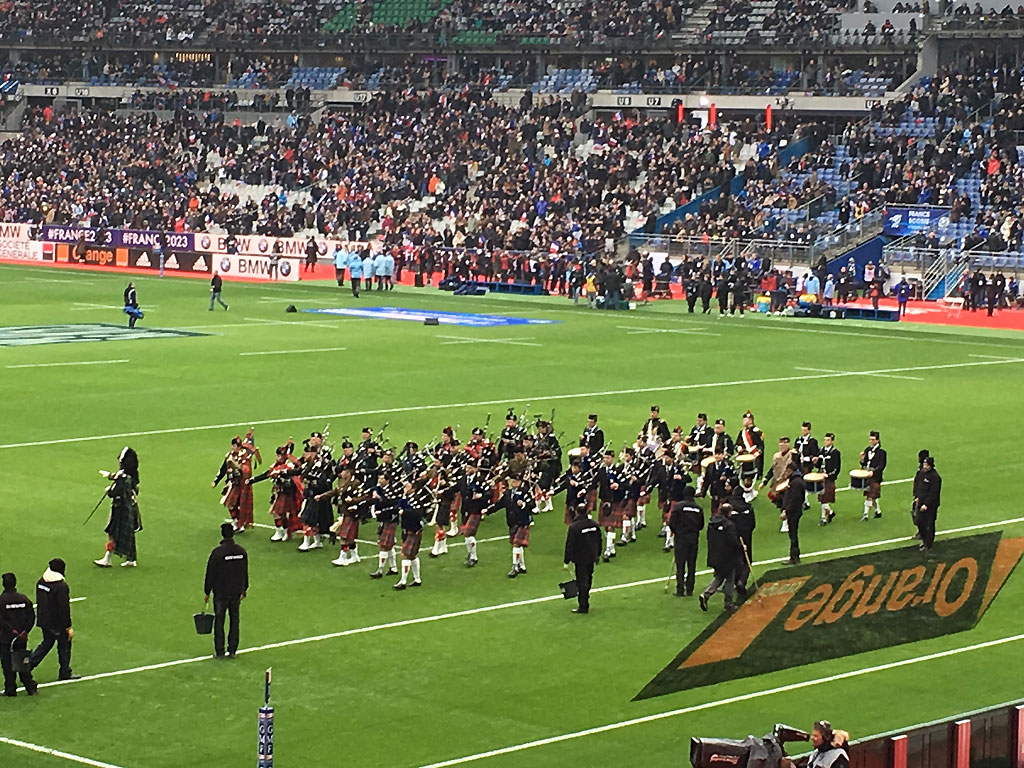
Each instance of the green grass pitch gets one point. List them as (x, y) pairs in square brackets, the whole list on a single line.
[(511, 667)]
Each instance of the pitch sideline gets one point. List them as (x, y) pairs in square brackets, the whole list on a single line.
[(506, 400), (726, 701), (56, 753), (490, 609)]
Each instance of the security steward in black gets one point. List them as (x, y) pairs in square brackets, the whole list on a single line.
[(793, 506), (227, 577), (582, 549), (17, 617), (745, 522), (927, 496), (53, 599), (686, 521)]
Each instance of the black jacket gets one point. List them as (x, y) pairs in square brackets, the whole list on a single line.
[(54, 601), (227, 570), (927, 489), (724, 552), (17, 616), (686, 520), (793, 500), (582, 541), (742, 516)]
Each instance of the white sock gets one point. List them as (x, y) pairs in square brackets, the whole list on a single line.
[(406, 565), (609, 541), (383, 559), (391, 559), (878, 509), (469, 546), (515, 556), (670, 539), (626, 525), (416, 569), (316, 538), (867, 508), (641, 512), (353, 551), (444, 546)]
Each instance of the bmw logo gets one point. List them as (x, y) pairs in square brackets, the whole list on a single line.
[(285, 267), (263, 246), (322, 249), (204, 242), (225, 264)]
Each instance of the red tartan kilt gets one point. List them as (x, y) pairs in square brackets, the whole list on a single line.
[(386, 536), (568, 514), (645, 498), (469, 527), (592, 499), (873, 491), (629, 509), (499, 489), (285, 512), (828, 492), (349, 529), (611, 515), (411, 544), (520, 537), (232, 498)]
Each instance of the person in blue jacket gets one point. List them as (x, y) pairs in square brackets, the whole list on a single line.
[(355, 271), (903, 292)]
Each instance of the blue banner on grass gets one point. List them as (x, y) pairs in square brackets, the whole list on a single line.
[(419, 315)]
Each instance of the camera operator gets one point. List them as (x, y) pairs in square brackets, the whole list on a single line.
[(829, 749)]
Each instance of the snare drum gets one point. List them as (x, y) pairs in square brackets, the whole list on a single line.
[(575, 453), (748, 464), (815, 481), (782, 487), (860, 478), (705, 463)]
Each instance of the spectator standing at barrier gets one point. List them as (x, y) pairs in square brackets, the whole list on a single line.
[(977, 284), (17, 617), (311, 255), (368, 271), (53, 599), (355, 271), (828, 291), (903, 291), (227, 578), (389, 271), (378, 269), (275, 259), (340, 258), (216, 286), (927, 496)]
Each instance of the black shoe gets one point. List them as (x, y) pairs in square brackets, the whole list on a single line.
[(661, 534), (793, 561), (678, 594), (34, 691), (703, 600), (622, 542), (605, 558), (522, 569), (393, 572), (689, 593), (581, 610), (378, 574), (923, 547), (741, 590), (72, 676), (513, 573), (667, 548), (416, 584), (641, 526), (728, 607), (219, 655), (231, 654), (614, 553), (878, 515), (15, 693), (470, 562), (399, 587), (431, 554), (806, 506)]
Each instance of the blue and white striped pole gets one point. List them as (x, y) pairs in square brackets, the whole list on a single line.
[(265, 741)]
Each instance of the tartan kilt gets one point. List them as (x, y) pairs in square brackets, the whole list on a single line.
[(285, 511), (873, 491), (519, 536), (121, 529), (386, 536), (828, 492), (411, 544), (592, 499), (349, 528), (230, 499), (245, 506), (469, 527), (629, 508), (611, 514), (645, 498)]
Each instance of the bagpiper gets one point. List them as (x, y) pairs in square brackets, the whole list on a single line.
[(125, 520)]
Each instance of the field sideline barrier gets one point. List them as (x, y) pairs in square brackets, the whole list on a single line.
[(991, 737)]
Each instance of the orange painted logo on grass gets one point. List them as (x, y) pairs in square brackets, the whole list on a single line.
[(847, 606)]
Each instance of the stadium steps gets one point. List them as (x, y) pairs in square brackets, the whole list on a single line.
[(867, 232)]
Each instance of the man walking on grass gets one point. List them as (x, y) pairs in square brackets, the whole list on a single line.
[(216, 285)]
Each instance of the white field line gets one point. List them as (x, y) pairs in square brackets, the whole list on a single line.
[(56, 753), (78, 599), (502, 401), (856, 373), (519, 341), (633, 330), (730, 700), (996, 357), (492, 608), (60, 365), (291, 351), (57, 280)]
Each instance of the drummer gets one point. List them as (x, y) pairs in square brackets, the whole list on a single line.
[(807, 451), (751, 440), (779, 471), (700, 433), (829, 463), (873, 459), (720, 441), (677, 445)]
